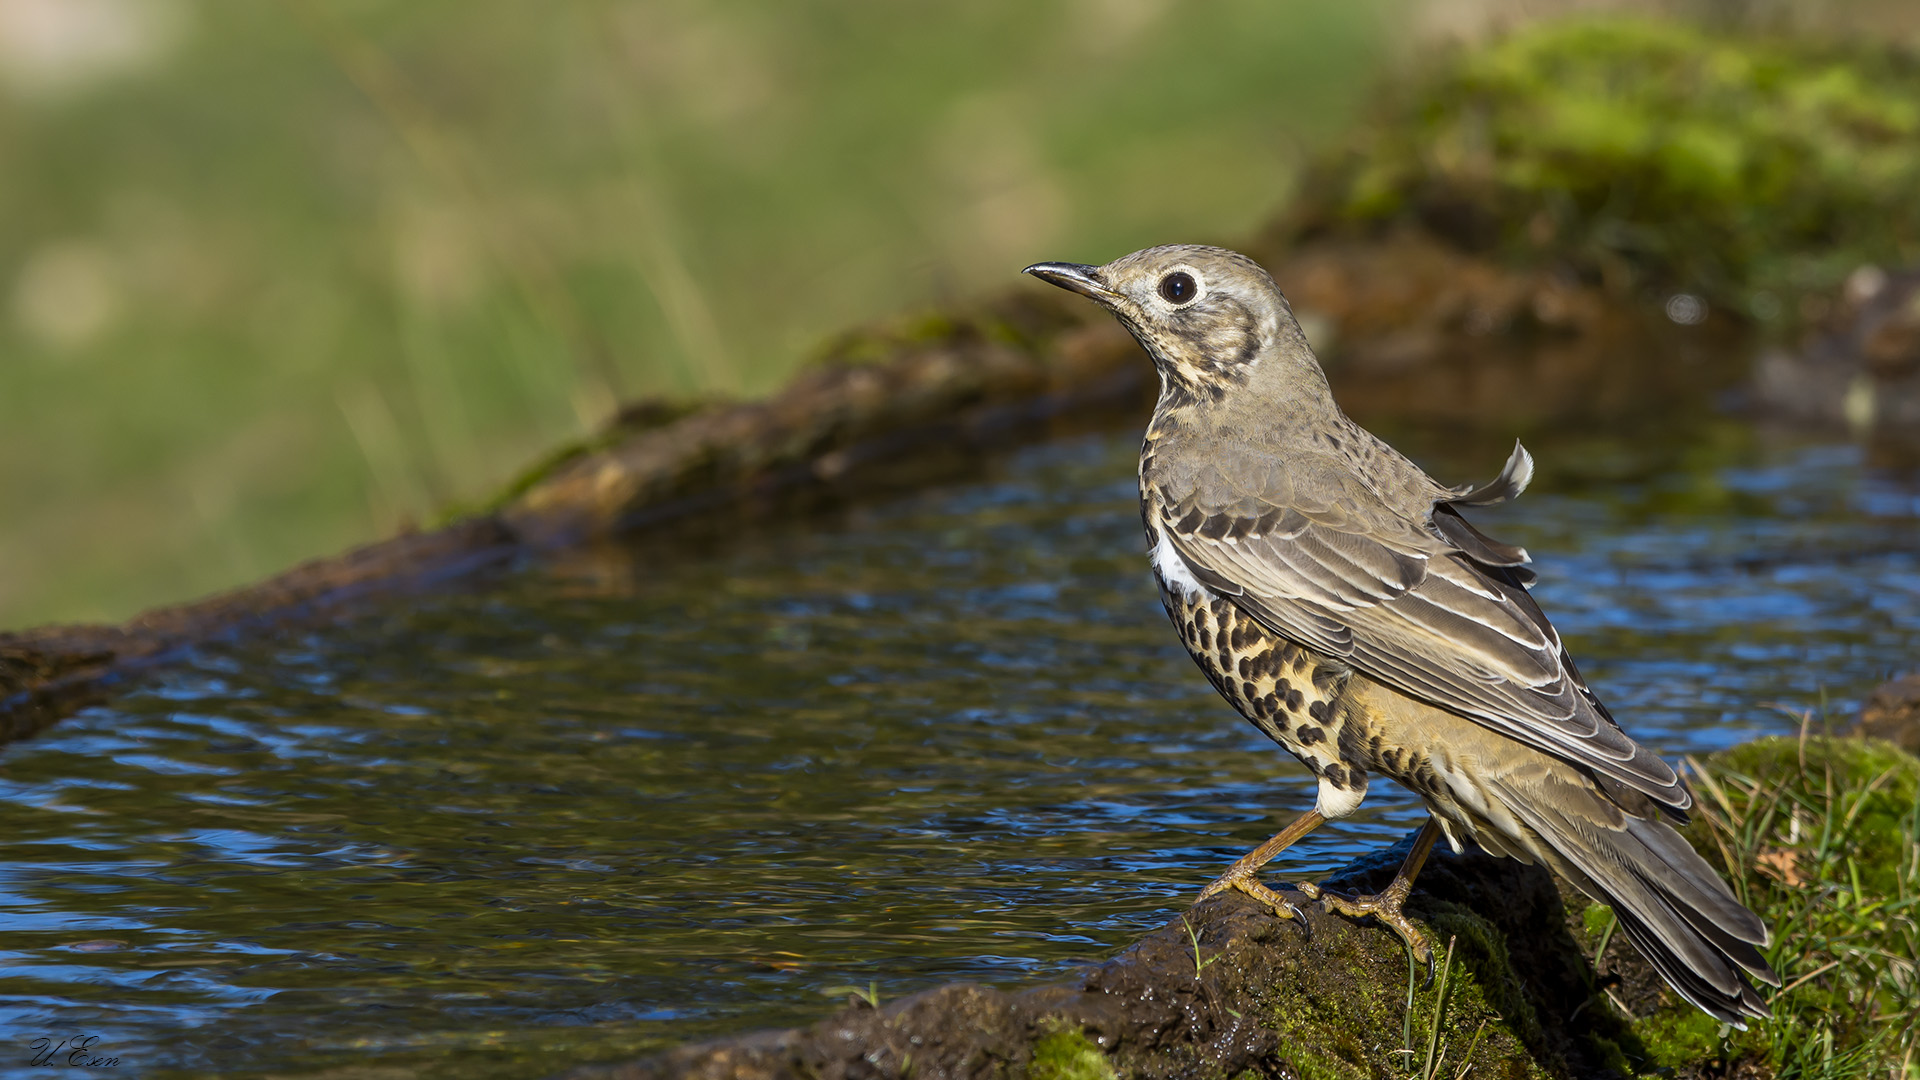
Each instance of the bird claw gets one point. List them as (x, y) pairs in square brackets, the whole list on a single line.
[(1300, 920), (1274, 902), (1385, 908)]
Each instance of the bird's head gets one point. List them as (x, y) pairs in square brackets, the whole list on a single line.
[(1207, 316)]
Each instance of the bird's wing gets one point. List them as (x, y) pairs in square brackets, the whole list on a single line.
[(1322, 559)]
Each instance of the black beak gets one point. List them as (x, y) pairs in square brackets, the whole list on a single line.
[(1084, 280)]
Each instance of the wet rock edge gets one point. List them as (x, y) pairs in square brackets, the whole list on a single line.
[(1540, 986), (1233, 991)]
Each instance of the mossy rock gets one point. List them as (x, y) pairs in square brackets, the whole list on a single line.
[(1364, 1023), (1651, 155), (1229, 990), (1819, 837), (1068, 1055), (1867, 789)]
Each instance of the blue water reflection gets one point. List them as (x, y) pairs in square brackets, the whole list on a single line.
[(631, 798)]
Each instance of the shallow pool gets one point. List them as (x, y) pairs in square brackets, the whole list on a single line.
[(642, 795)]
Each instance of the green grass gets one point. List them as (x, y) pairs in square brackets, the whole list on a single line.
[(1821, 837), (331, 266)]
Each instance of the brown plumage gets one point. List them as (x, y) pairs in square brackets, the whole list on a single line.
[(1339, 599)]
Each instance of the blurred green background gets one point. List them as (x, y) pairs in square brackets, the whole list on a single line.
[(281, 276)]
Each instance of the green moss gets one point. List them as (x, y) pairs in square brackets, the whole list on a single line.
[(1819, 837), (1596, 918), (1348, 1019), (546, 465), (1654, 154), (1309, 1064), (1673, 1039), (1482, 949), (632, 420), (1317, 1017), (1068, 1055), (884, 341), (1611, 1056)]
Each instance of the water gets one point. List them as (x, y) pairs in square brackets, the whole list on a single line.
[(597, 807)]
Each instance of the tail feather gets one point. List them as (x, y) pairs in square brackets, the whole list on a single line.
[(1693, 881), (1733, 1008), (1671, 905), (1703, 899)]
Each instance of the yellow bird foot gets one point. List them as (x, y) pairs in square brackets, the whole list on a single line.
[(1384, 906), (1249, 884)]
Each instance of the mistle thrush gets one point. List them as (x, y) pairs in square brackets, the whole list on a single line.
[(1336, 595)]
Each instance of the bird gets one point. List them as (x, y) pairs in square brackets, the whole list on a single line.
[(1338, 597)]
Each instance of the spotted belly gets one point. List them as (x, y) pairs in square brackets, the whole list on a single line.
[(1297, 697)]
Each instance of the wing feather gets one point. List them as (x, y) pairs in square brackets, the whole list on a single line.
[(1437, 611)]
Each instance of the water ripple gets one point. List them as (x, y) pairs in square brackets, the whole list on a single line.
[(626, 800)]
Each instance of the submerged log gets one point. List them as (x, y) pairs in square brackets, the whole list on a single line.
[(885, 408), (1411, 329)]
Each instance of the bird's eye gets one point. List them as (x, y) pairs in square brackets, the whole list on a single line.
[(1178, 287)]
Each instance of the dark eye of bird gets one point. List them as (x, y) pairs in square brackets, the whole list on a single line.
[(1178, 287)]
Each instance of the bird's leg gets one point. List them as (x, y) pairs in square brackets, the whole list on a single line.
[(1385, 905), (1241, 874)]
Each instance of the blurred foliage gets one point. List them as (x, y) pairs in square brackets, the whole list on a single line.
[(276, 278), (1655, 156), (279, 278)]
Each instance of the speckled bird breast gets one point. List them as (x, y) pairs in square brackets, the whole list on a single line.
[(1292, 694)]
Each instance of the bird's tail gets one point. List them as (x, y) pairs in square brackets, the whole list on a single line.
[(1670, 903)]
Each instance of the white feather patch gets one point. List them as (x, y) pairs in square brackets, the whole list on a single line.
[(1174, 571), (1334, 802)]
